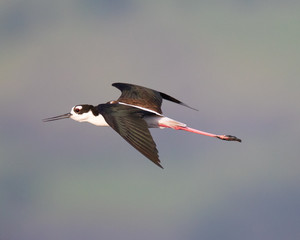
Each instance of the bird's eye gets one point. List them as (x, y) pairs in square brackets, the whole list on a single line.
[(76, 110)]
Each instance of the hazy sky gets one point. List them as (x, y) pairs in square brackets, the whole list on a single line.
[(237, 62)]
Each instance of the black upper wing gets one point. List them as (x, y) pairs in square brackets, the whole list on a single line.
[(144, 97), (129, 123)]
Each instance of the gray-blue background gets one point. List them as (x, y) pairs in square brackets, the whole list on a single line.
[(236, 61)]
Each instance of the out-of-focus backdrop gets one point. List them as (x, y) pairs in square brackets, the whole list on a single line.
[(236, 61)]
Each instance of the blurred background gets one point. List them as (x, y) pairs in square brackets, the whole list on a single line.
[(236, 61)]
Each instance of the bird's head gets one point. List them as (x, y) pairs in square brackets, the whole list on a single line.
[(79, 113)]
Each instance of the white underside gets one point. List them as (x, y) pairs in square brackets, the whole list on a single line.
[(158, 121), (152, 122), (155, 121)]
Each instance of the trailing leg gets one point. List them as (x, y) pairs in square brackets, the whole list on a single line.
[(188, 129)]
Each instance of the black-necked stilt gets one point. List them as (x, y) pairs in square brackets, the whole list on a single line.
[(137, 109)]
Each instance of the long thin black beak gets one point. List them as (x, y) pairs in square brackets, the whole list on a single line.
[(67, 115)]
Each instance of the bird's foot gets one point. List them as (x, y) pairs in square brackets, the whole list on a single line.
[(229, 138)]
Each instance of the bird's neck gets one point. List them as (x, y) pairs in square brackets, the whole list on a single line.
[(94, 117), (97, 120)]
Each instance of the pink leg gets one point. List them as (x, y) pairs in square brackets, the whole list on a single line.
[(188, 129)]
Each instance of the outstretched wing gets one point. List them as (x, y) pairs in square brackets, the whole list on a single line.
[(129, 123), (144, 97)]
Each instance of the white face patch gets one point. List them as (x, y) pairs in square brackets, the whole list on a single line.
[(75, 111), (80, 117)]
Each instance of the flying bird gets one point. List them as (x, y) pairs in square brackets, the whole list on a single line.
[(136, 110)]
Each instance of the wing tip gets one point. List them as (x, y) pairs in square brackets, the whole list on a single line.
[(183, 104), (172, 99), (158, 164), (120, 85)]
